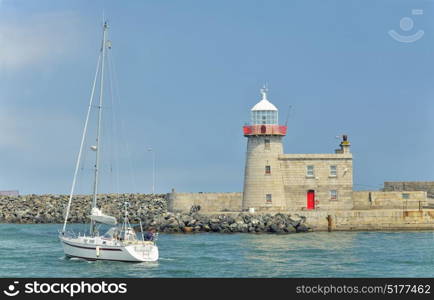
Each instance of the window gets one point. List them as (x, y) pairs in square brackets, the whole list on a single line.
[(405, 196), (267, 144), (310, 171), (333, 171), (264, 117), (333, 195), (267, 169), (268, 198)]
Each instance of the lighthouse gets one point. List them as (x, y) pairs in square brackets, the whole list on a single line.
[(263, 180)]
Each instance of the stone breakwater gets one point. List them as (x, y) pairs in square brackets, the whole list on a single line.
[(227, 223), (150, 209), (51, 208)]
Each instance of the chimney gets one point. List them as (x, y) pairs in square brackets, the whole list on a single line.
[(345, 145)]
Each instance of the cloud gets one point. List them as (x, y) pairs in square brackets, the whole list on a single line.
[(37, 39), (36, 134), (11, 129)]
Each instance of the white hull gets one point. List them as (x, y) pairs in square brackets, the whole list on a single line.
[(99, 249)]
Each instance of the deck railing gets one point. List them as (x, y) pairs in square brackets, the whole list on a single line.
[(264, 130)]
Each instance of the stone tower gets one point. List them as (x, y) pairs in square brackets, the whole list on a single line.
[(263, 180)]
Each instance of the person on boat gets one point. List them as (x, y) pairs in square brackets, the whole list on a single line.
[(150, 235)]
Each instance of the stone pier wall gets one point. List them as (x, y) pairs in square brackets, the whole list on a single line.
[(405, 186), (223, 202), (389, 200), (375, 219), (427, 186), (153, 211), (209, 202)]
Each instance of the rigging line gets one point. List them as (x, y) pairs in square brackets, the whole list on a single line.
[(83, 137), (122, 129), (287, 115), (113, 123)]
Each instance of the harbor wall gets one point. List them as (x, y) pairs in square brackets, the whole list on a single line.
[(389, 200), (427, 186), (208, 202), (153, 211), (365, 220), (223, 202)]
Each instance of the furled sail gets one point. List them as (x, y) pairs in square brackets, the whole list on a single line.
[(99, 217)]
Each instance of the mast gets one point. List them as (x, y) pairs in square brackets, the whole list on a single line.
[(98, 138)]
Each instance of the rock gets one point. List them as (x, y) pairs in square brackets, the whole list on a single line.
[(290, 229), (254, 221), (215, 227), (239, 221), (191, 222), (151, 210), (302, 228), (188, 229), (297, 218), (230, 220), (276, 228)]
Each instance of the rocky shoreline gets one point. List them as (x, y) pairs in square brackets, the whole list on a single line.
[(150, 209)]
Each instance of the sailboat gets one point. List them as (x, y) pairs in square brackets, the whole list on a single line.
[(120, 242)]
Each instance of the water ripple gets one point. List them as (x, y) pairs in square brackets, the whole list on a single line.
[(336, 254)]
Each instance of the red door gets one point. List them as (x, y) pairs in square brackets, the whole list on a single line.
[(311, 199)]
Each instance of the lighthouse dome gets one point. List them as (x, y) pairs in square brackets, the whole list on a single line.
[(264, 112), (264, 104)]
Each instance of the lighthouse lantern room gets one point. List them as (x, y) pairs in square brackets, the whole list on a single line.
[(265, 119)]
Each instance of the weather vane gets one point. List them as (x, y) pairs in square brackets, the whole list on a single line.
[(264, 91)]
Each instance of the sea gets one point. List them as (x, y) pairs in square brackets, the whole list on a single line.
[(35, 251)]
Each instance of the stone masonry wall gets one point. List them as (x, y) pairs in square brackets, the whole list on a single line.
[(297, 183), (263, 151), (389, 200), (359, 200), (152, 211), (375, 219), (209, 202), (427, 186)]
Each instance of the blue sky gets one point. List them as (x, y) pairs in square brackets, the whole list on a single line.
[(189, 72)]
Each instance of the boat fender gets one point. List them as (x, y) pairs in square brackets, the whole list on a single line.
[(97, 251)]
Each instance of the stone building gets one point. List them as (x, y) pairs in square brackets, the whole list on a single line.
[(275, 181)]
